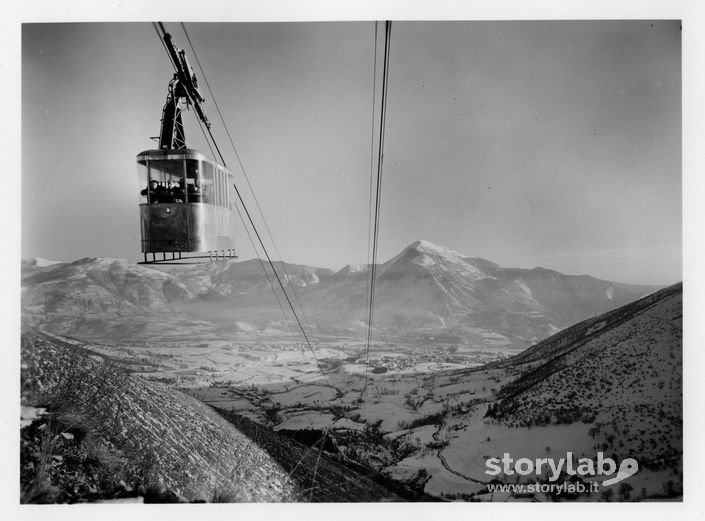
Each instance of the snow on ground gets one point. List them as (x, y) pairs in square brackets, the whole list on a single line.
[(430, 407), (305, 420), (459, 468), (477, 440), (222, 362), (522, 284), (445, 482), (477, 385), (29, 414), (348, 424), (423, 260), (303, 394), (390, 354), (441, 481), (43, 263), (423, 367), (245, 327), (390, 413), (354, 368), (419, 436), (236, 404), (432, 367), (357, 268), (257, 376)]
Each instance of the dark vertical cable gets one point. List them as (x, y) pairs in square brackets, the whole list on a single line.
[(205, 137), (372, 161), (378, 197)]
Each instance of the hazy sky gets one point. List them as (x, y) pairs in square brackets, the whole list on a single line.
[(527, 143)]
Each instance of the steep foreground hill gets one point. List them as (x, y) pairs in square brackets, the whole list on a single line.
[(93, 432), (424, 289)]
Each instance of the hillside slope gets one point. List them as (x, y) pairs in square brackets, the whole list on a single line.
[(166, 438), (102, 433), (317, 472), (610, 384), (623, 369)]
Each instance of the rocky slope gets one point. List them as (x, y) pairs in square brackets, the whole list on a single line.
[(169, 439), (101, 433)]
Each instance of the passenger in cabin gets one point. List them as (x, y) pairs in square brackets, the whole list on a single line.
[(164, 194), (161, 194), (177, 192), (194, 194), (151, 190)]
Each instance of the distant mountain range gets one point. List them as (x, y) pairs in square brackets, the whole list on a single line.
[(425, 293)]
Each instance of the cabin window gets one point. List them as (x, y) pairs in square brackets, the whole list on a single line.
[(231, 192), (207, 179), (220, 191), (185, 180), (193, 181), (165, 181), (226, 190), (143, 180), (216, 183), (223, 191), (221, 197)]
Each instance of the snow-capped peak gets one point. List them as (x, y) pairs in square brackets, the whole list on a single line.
[(353, 269), (357, 268), (435, 249), (39, 262), (434, 257)]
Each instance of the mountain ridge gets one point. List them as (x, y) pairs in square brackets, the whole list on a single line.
[(424, 287)]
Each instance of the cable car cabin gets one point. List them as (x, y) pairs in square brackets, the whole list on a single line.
[(188, 205)]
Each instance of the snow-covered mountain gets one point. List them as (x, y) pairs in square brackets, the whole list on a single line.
[(425, 288), (99, 285), (571, 297), (428, 287), (38, 262)]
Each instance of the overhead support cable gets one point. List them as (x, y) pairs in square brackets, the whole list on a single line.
[(210, 147), (378, 198), (370, 197)]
